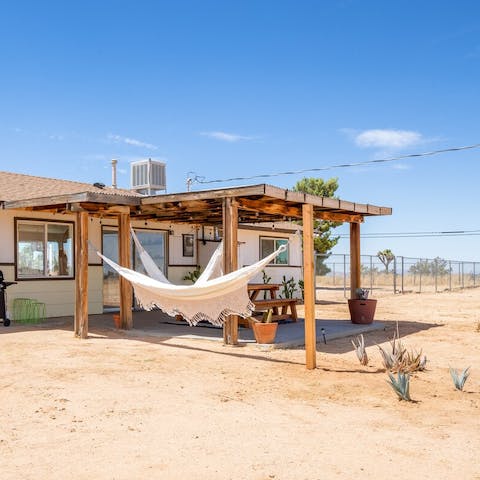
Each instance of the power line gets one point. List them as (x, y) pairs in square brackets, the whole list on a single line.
[(201, 179), (451, 233)]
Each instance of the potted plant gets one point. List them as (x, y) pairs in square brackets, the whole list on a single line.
[(263, 328), (362, 309)]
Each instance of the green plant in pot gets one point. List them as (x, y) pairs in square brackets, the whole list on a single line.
[(264, 329)]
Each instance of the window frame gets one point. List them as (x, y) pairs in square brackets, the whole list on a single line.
[(273, 263), (44, 222)]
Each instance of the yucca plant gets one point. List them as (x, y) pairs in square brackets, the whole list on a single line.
[(459, 379), (401, 385), (359, 347)]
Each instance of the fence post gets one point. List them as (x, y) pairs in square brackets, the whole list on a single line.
[(474, 273), (420, 280), (394, 275), (436, 276), (450, 275), (403, 266), (463, 273), (333, 273), (345, 275)]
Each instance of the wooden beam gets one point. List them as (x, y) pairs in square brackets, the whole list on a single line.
[(124, 257), (309, 287), (355, 268), (98, 208), (338, 217), (81, 275), (88, 197), (266, 206), (230, 261), (218, 194), (116, 209)]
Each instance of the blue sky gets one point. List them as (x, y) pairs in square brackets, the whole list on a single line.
[(227, 89)]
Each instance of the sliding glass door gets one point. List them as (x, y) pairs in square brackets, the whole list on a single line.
[(154, 242)]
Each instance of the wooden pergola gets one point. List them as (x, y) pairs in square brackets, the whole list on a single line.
[(226, 208)]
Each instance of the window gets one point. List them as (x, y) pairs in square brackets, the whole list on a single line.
[(44, 249), (269, 244), (187, 242)]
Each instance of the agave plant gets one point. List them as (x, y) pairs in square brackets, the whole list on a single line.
[(398, 359), (459, 379), (392, 359), (412, 361), (359, 347), (401, 385)]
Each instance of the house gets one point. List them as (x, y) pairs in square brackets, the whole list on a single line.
[(46, 224), (38, 227)]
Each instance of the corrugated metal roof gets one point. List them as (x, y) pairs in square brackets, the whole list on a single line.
[(17, 186)]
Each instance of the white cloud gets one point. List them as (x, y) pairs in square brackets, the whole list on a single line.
[(132, 141), (387, 138), (226, 137)]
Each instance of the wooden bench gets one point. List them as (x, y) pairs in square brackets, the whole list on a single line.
[(275, 304)]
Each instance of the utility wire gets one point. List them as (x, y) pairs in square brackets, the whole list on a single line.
[(201, 179), (452, 233)]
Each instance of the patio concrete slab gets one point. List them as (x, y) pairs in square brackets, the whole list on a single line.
[(289, 335), (159, 325)]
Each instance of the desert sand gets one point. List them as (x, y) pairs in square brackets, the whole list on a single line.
[(116, 406)]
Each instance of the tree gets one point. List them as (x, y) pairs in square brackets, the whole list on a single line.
[(323, 241), (386, 257), (437, 266)]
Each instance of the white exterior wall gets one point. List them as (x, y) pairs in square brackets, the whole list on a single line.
[(249, 252), (59, 294)]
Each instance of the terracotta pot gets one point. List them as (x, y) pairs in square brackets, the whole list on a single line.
[(362, 311), (264, 332), (116, 320)]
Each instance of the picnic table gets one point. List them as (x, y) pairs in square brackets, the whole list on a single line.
[(280, 306), (255, 288)]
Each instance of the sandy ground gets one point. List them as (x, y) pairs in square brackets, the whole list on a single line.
[(112, 407)]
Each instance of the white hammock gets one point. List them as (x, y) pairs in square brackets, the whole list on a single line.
[(211, 300), (212, 270)]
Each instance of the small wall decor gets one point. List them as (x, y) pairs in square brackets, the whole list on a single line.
[(187, 242)]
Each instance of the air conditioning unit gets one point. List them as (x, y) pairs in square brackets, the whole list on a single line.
[(148, 177)]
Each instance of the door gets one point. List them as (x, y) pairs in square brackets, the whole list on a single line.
[(153, 241)]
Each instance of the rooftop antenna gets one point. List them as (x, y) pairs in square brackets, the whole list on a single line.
[(114, 173), (191, 176)]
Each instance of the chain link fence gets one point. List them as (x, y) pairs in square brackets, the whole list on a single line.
[(399, 275)]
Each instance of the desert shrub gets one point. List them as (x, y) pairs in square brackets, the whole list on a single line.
[(359, 346), (400, 385), (399, 359), (459, 379)]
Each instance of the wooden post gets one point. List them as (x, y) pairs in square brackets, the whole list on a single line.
[(81, 276), (230, 261), (309, 287), (124, 259), (355, 267)]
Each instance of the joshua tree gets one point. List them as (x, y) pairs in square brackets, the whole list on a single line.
[(386, 257)]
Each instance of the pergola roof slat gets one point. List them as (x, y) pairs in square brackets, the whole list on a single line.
[(256, 203)]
